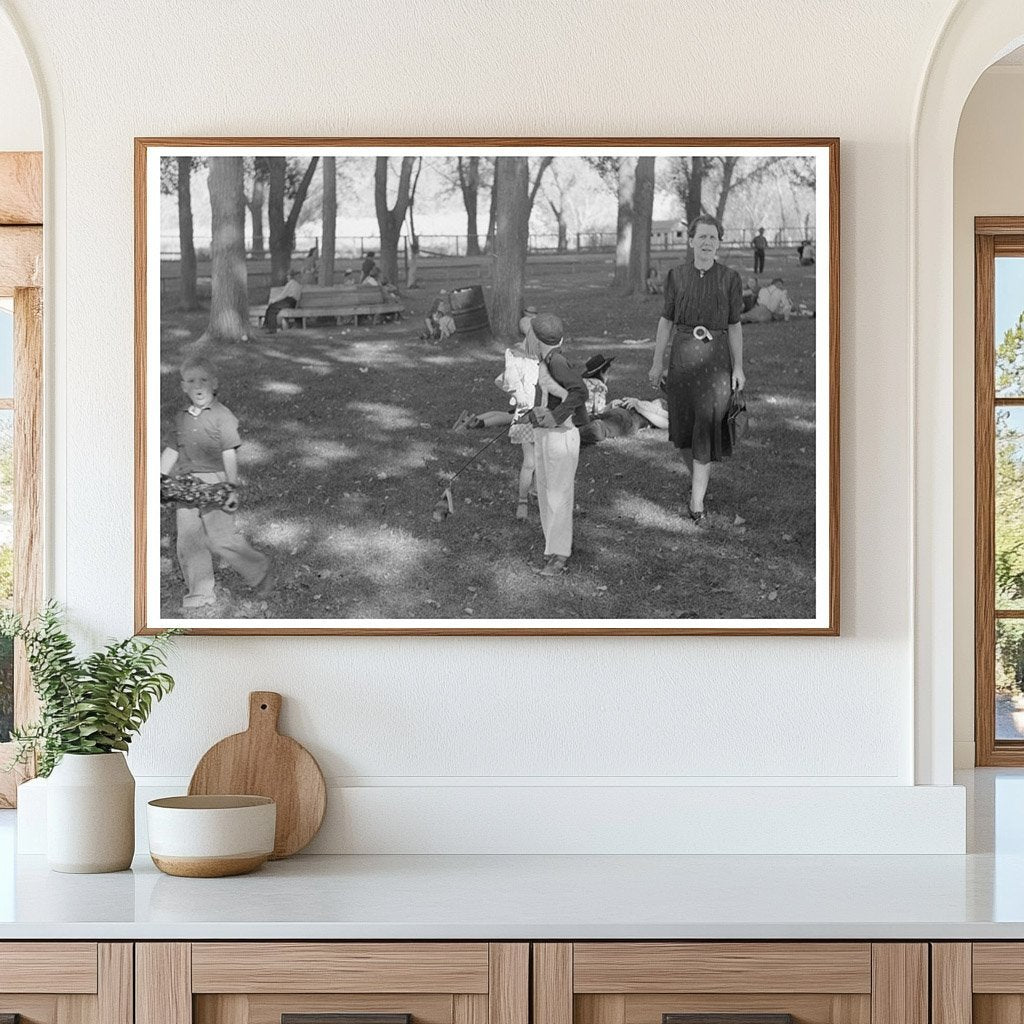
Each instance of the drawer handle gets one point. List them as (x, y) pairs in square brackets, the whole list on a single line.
[(727, 1018), (339, 1018)]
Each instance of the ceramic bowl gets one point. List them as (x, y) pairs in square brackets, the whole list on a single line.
[(211, 836)]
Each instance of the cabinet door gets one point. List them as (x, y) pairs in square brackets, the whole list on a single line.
[(66, 982), (981, 982), (730, 983), (332, 983)]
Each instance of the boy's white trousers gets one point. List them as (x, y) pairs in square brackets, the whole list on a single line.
[(558, 453)]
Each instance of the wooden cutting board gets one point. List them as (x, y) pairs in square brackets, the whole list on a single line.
[(262, 762)]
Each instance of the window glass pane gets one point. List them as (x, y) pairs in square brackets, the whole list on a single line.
[(1009, 679), (6, 567), (1009, 481), (1009, 338), (6, 354)]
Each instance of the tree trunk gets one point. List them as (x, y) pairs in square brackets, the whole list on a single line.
[(256, 216), (229, 308), (186, 241), (330, 217), (280, 243), (643, 212), (624, 222), (728, 167), (492, 219), (282, 229), (694, 194), (389, 220), (469, 182), (511, 235)]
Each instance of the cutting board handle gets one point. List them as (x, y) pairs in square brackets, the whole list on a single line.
[(264, 710)]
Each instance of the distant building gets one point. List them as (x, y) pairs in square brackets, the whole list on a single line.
[(668, 234)]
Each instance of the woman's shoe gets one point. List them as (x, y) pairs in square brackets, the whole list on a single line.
[(555, 566), (522, 508)]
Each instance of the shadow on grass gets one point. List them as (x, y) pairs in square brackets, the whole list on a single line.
[(346, 448)]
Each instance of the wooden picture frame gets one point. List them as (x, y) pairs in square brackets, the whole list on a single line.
[(817, 604)]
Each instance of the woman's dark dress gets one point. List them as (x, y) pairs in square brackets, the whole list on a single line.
[(700, 372)]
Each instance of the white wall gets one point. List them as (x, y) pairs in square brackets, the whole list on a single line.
[(21, 126), (467, 711), (987, 182)]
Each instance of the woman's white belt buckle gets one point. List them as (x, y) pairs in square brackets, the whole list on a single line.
[(701, 333)]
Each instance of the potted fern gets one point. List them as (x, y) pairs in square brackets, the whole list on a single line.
[(89, 710)]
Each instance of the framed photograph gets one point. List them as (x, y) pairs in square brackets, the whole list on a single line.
[(487, 386)]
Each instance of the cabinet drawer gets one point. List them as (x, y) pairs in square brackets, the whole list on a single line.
[(66, 982), (64, 967), (340, 967), (635, 967), (730, 983), (332, 983)]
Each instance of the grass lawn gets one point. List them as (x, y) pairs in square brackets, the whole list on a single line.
[(347, 443)]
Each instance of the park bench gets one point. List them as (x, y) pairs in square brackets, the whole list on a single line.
[(336, 302)]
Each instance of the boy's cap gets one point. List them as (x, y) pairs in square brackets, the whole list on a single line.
[(548, 329), (777, 280)]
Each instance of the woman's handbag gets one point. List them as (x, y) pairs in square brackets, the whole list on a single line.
[(737, 420)]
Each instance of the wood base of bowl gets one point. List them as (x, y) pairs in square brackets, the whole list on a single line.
[(209, 867)]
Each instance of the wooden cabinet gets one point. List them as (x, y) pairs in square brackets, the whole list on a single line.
[(66, 982), (263, 982), (651, 982), (978, 983)]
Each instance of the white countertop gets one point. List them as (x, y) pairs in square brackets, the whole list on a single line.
[(977, 896), (516, 897)]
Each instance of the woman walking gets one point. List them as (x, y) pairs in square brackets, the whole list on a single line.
[(701, 316)]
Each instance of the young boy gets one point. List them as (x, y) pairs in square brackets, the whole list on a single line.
[(206, 446)]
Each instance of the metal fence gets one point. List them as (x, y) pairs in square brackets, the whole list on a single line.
[(355, 246)]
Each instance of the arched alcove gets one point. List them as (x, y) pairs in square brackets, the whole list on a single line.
[(977, 33)]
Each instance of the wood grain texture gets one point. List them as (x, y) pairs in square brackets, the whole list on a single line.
[(899, 991), (346, 1018), (508, 994), (21, 259), (603, 1009), (226, 1009), (339, 967), (76, 1009), (984, 502), (552, 983), (951, 983), (115, 997), (998, 1009), (998, 967), (999, 226), (65, 967), (32, 1009), (28, 483), (805, 1008), (21, 188), (425, 1009), (262, 762), (469, 1009), (634, 967), (142, 614), (163, 983)]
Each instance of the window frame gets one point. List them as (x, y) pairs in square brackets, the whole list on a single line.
[(993, 237), (21, 278)]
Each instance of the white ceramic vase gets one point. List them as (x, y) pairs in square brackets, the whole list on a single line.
[(90, 814)]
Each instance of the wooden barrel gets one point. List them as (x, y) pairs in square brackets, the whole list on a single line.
[(469, 310)]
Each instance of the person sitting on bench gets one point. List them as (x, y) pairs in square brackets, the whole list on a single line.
[(285, 297)]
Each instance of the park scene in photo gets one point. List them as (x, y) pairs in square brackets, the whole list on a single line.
[(375, 476)]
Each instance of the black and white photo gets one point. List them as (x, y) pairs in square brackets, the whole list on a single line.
[(462, 386)]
